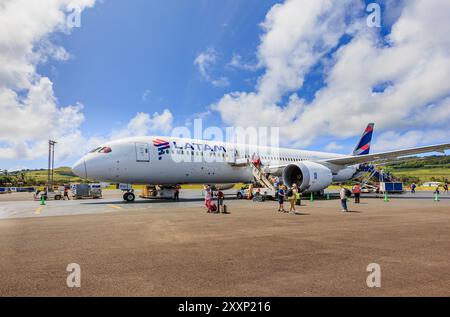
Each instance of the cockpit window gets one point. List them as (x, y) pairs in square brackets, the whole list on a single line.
[(95, 150), (105, 150)]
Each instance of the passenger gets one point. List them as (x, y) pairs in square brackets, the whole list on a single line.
[(281, 194), (220, 199), (357, 193), (66, 193), (292, 195), (445, 188), (343, 196), (436, 191), (176, 193), (250, 192), (413, 188), (299, 198), (267, 171), (277, 182), (208, 198)]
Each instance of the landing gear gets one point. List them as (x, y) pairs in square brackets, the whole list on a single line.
[(129, 197)]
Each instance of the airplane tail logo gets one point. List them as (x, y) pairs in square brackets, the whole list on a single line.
[(162, 147), (363, 147)]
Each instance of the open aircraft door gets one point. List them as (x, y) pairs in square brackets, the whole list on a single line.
[(231, 154), (142, 152)]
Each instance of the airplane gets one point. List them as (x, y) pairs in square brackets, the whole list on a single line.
[(169, 161)]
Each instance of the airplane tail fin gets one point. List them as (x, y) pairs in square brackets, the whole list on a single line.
[(363, 146)]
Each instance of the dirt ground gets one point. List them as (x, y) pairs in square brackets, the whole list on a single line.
[(254, 251)]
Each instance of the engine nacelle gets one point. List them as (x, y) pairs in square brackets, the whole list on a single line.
[(309, 176)]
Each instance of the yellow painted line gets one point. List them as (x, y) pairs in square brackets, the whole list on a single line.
[(38, 210), (114, 206)]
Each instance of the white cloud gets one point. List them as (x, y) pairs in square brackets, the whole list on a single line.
[(144, 124), (204, 61), (146, 95), (29, 111), (333, 146), (297, 34), (392, 140), (236, 62)]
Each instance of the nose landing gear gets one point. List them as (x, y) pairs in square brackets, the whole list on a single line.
[(129, 197)]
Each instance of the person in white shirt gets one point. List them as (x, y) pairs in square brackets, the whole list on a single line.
[(343, 196)]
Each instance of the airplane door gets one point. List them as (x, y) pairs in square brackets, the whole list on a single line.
[(142, 152)]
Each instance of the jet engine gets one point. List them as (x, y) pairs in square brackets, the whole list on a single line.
[(309, 176)]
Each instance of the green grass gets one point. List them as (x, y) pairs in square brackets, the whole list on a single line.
[(424, 174), (62, 175)]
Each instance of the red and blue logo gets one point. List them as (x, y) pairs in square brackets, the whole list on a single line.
[(162, 146), (363, 147)]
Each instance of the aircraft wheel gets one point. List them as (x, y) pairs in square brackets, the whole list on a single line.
[(129, 197), (239, 196)]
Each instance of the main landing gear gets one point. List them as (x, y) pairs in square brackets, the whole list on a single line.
[(129, 197)]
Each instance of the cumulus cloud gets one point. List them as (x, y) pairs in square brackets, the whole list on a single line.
[(392, 140), (411, 64), (333, 146), (236, 62), (144, 124), (29, 111), (204, 61)]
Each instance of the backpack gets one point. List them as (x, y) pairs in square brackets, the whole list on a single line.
[(348, 193), (290, 192)]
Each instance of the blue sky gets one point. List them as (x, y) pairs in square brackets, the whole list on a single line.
[(121, 51), (138, 59)]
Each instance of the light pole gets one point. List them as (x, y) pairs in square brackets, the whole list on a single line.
[(51, 164)]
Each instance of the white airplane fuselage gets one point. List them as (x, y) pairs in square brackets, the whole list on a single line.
[(169, 161)]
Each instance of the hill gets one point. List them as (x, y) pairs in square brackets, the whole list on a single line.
[(421, 169), (62, 175)]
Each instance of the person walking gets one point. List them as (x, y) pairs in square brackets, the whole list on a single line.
[(281, 194), (357, 193), (413, 188), (343, 196), (66, 193), (445, 187), (293, 198), (208, 198)]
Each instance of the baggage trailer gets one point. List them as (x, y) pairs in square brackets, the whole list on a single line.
[(391, 187)]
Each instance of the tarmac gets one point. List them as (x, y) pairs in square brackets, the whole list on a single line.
[(162, 248)]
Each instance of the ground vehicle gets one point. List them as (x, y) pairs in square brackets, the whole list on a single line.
[(55, 195), (81, 191), (391, 187), (266, 192)]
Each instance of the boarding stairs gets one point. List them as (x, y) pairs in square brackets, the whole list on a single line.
[(260, 176), (374, 174)]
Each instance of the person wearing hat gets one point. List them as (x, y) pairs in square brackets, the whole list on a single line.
[(293, 198)]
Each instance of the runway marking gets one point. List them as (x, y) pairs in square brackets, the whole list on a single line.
[(38, 210), (114, 206)]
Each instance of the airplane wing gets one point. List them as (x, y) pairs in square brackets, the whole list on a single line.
[(350, 160)]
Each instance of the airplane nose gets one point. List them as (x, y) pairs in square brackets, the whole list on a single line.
[(80, 169)]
